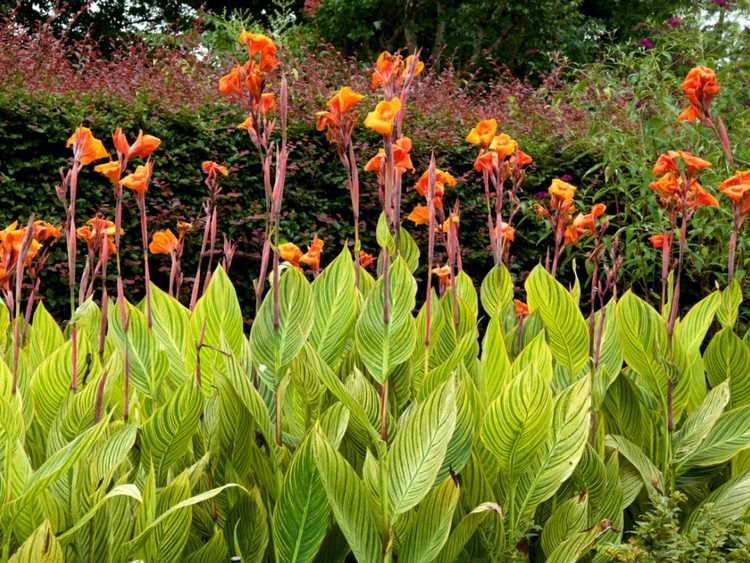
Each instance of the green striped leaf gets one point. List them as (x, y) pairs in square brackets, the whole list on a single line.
[(651, 476), (429, 528), (495, 368), (171, 329), (567, 333), (496, 291), (729, 436), (700, 422), (349, 501), (518, 422), (728, 502), (728, 357), (167, 434), (643, 337), (44, 335), (382, 347), (464, 531), (40, 547), (576, 546), (335, 299), (418, 449), (731, 298), (274, 348), (558, 457), (126, 490), (566, 519)]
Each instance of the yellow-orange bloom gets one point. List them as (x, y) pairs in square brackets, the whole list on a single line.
[(444, 275), (138, 180), (163, 242), (247, 124), (143, 146), (90, 148), (290, 252), (504, 145), (506, 232), (381, 119), (418, 66), (110, 170), (561, 192), (482, 133), (401, 157), (453, 219), (442, 179), (485, 161), (183, 228), (210, 167), (420, 215), (344, 100)]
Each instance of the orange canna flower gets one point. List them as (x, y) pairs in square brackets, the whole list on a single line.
[(183, 228), (504, 145), (401, 157), (262, 45), (384, 67), (735, 187), (453, 219), (231, 83), (521, 309), (698, 197), (90, 148), (210, 167), (506, 232), (120, 141), (163, 242), (381, 119), (247, 124), (144, 145), (325, 120), (482, 133), (561, 192), (365, 259), (103, 226), (420, 215), (344, 100), (699, 86), (442, 179), (110, 170), (486, 161), (138, 180), (666, 185), (267, 103), (312, 256), (290, 252), (667, 162), (418, 66), (444, 275), (657, 241), (45, 232), (521, 158)]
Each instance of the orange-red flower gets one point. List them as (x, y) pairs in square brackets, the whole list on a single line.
[(391, 69), (442, 179), (163, 242), (312, 256), (700, 86), (110, 170), (453, 219), (262, 45), (45, 232), (120, 141), (381, 119), (736, 186), (231, 83), (212, 168), (504, 145), (444, 275), (698, 197), (420, 215), (485, 161), (89, 147), (482, 133), (183, 228), (506, 232), (668, 162), (267, 103), (521, 159), (657, 241), (143, 146), (584, 224), (401, 157), (521, 309), (365, 259), (138, 180), (290, 252), (344, 100)]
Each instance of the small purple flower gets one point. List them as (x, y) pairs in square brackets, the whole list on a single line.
[(566, 178), (540, 195), (646, 43), (638, 104), (674, 22), (721, 3)]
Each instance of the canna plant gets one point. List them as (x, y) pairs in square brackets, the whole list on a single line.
[(353, 423)]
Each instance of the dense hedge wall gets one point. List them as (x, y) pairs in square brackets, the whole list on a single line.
[(33, 128)]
